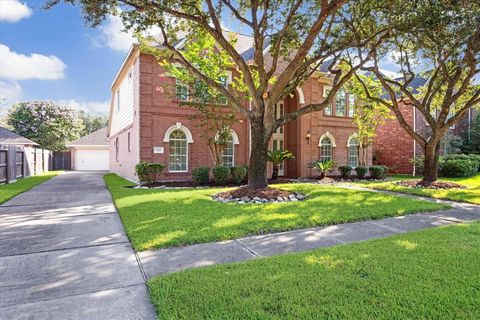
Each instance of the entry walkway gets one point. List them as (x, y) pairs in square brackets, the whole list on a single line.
[(64, 255), (175, 259)]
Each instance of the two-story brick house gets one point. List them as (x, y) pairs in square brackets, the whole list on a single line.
[(147, 123)]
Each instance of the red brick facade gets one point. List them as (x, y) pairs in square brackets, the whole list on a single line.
[(159, 110), (394, 147)]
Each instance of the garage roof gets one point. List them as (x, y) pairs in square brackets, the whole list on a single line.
[(10, 137), (97, 138)]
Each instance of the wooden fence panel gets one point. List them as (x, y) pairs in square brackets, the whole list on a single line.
[(3, 166), (19, 160)]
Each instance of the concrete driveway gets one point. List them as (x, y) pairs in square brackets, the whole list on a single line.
[(64, 255)]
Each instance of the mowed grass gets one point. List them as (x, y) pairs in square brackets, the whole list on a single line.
[(8, 191), (431, 274), (471, 194), (163, 218)]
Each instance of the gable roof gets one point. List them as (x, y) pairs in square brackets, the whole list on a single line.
[(97, 138), (10, 137)]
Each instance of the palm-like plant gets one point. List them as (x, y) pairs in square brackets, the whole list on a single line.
[(276, 157), (323, 167)]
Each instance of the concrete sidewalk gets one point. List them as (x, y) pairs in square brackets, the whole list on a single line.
[(163, 261), (64, 255)]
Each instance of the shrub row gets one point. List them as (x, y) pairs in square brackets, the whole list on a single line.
[(376, 172), (221, 174), (459, 168), (149, 172)]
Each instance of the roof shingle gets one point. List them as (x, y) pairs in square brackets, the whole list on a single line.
[(10, 137), (97, 138)]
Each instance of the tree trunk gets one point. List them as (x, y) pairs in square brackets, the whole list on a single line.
[(430, 165), (257, 170), (275, 171)]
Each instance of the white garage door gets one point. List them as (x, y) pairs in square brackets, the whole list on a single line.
[(92, 159)]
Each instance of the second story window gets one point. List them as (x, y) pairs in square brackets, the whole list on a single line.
[(328, 109), (181, 90), (351, 105), (340, 103), (117, 99), (222, 99)]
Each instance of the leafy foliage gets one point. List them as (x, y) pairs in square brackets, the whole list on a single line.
[(459, 168), (361, 172), (323, 167), (278, 156), (47, 124), (201, 175), (345, 171), (148, 172), (221, 174), (91, 123), (378, 172), (238, 173)]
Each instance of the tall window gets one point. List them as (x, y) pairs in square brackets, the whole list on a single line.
[(181, 91), (117, 149), (177, 160), (222, 99), (340, 103), (228, 153), (351, 105), (353, 146), (117, 98), (128, 137), (328, 109), (325, 149)]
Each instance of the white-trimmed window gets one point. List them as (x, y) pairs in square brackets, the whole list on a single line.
[(181, 90), (325, 149), (178, 152), (117, 99), (340, 103), (228, 154), (351, 105), (353, 147), (328, 109), (225, 82), (117, 149)]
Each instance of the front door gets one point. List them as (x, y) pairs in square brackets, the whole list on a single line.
[(279, 136)]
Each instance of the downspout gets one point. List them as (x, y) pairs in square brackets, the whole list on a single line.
[(469, 124), (414, 142), (249, 132)]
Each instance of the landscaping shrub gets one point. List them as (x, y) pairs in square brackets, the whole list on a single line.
[(377, 172), (459, 168), (345, 171), (201, 175), (322, 167), (246, 174), (238, 173), (221, 174), (149, 172), (471, 157), (361, 172), (385, 169)]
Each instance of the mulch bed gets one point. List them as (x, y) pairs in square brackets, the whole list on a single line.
[(245, 191), (191, 184), (435, 185)]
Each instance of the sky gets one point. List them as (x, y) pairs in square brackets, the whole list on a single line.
[(52, 55)]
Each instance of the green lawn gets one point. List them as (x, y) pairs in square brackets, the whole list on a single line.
[(472, 194), (162, 218), (430, 274), (8, 191)]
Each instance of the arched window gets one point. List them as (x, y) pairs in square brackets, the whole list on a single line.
[(353, 146), (325, 149), (178, 151), (228, 154)]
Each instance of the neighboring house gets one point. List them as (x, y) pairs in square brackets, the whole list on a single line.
[(90, 152), (394, 147), (148, 124), (20, 157)]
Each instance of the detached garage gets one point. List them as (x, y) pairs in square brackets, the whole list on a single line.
[(91, 152)]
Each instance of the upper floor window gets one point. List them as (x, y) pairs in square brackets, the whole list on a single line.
[(117, 99), (353, 148), (181, 90), (340, 103), (225, 81), (228, 154), (117, 149), (325, 149), (351, 105), (128, 141), (178, 151), (328, 109)]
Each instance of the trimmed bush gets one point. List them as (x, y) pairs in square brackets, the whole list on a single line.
[(459, 168), (238, 173), (361, 172), (471, 157), (221, 174), (385, 169), (377, 172), (201, 175), (345, 171), (149, 172)]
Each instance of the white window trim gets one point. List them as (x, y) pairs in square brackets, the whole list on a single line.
[(178, 126), (325, 89), (236, 141), (180, 83), (352, 136), (327, 135)]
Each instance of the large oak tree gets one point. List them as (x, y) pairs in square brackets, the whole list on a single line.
[(438, 47), (292, 39)]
